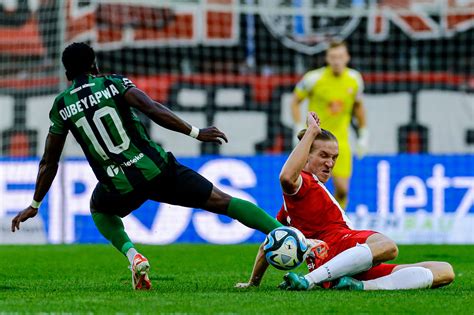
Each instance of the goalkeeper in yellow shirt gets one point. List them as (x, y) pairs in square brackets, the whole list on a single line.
[(334, 92)]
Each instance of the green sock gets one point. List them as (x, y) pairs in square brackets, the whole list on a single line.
[(111, 227), (251, 215)]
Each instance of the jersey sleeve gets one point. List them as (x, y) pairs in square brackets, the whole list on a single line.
[(302, 189), (282, 216), (123, 84), (301, 89), (56, 123), (307, 83)]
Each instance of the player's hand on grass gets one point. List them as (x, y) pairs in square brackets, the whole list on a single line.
[(317, 249), (245, 285), (24, 215), (212, 134), (314, 122)]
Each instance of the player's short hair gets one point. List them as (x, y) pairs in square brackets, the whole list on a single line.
[(325, 135), (78, 58), (336, 44)]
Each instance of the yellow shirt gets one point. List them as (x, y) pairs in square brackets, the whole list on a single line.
[(332, 97)]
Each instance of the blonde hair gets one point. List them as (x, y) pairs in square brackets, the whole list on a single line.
[(336, 44), (325, 135)]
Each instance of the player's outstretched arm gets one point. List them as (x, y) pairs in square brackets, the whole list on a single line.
[(258, 271), (164, 117), (290, 178), (48, 167)]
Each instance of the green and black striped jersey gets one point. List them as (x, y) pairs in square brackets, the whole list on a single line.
[(112, 137)]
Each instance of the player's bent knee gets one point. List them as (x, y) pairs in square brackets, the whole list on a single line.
[(383, 248), (392, 250), (389, 252)]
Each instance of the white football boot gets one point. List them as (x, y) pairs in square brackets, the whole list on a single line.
[(140, 269)]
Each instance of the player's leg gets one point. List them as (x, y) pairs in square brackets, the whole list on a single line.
[(424, 275), (241, 210), (430, 274), (190, 189), (351, 261), (111, 227), (370, 247), (382, 248), (443, 272), (107, 208)]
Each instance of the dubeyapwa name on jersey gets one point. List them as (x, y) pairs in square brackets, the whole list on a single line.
[(88, 101)]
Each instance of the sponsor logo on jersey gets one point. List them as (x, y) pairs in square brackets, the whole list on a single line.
[(88, 101), (135, 159), (113, 170)]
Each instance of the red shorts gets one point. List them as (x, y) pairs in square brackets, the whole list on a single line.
[(376, 272), (341, 240)]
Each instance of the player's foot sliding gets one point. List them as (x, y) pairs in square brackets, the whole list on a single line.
[(294, 282), (348, 283), (140, 268)]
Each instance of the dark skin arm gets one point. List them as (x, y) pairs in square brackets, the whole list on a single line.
[(167, 119), (48, 167)]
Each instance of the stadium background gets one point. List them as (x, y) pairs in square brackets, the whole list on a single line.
[(233, 64)]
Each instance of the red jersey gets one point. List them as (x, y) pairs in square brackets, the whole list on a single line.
[(313, 210)]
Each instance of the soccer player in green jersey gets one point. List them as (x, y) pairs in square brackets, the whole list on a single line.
[(130, 168)]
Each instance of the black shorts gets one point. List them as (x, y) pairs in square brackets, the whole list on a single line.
[(176, 184)]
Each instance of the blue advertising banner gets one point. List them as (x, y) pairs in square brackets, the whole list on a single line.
[(411, 198)]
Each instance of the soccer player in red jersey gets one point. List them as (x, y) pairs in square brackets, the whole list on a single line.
[(355, 258)]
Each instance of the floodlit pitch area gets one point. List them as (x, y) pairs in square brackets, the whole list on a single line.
[(200, 279)]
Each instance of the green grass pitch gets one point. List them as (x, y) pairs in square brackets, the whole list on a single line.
[(200, 279)]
